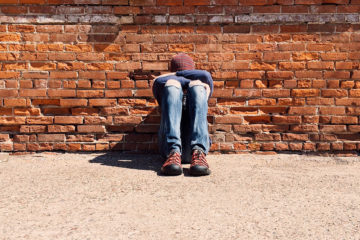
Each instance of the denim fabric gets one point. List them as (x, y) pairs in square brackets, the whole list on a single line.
[(183, 128), (184, 78), (203, 76)]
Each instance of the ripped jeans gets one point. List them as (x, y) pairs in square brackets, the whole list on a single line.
[(184, 127)]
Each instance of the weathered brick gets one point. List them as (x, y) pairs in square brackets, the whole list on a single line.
[(40, 120), (51, 137), (91, 128), (61, 128)]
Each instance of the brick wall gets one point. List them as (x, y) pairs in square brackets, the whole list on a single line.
[(76, 75)]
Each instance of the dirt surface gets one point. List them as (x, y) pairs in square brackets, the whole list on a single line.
[(117, 196)]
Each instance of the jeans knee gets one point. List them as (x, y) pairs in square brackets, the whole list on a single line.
[(172, 93), (193, 85)]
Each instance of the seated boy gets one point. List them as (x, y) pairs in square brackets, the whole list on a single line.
[(182, 96)]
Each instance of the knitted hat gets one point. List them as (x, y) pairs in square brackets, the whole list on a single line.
[(181, 62)]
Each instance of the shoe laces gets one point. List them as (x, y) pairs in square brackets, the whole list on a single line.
[(173, 158), (198, 158)]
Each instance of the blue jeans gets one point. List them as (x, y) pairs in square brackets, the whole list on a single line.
[(183, 128)]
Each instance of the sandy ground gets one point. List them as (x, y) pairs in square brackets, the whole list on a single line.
[(117, 196)]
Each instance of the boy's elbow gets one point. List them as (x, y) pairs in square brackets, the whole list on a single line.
[(206, 75)]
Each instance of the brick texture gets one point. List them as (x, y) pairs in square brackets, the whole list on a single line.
[(76, 75)]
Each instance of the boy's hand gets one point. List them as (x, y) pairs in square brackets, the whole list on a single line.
[(164, 75)]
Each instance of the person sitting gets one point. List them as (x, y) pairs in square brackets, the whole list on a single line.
[(183, 98)]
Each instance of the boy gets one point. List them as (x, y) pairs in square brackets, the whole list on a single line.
[(182, 96)]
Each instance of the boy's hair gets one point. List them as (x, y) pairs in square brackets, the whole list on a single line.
[(181, 62)]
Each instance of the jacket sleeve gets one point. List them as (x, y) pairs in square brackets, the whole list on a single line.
[(160, 82), (202, 75)]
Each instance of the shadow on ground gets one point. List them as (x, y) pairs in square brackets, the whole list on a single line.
[(150, 162)]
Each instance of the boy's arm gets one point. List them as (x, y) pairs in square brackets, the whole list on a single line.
[(202, 75), (159, 84)]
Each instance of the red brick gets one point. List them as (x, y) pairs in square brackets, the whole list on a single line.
[(295, 146), (344, 120), (27, 111), (73, 102), (61, 93), (68, 120), (181, 29), (291, 65), (257, 119), (332, 110), (13, 9), (280, 75), (61, 128), (334, 93), (269, 110), (80, 138), (274, 93), (124, 10), (51, 137), (286, 119), (309, 146), (281, 146), (21, 28), (55, 102), (294, 137), (348, 9), (4, 137), (113, 111), (295, 9), (7, 74), (229, 119), (32, 128), (91, 128), (7, 37), (304, 128), (8, 93), (323, 146), (4, 147), (32, 92), (92, 120), (305, 92), (73, 147), (6, 111), (115, 2), (267, 137), (302, 111), (236, 29), (199, 2), (333, 128), (39, 120)]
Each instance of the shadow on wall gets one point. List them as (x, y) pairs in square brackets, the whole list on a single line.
[(133, 133), (136, 117)]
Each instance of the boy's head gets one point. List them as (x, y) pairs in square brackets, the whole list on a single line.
[(181, 62)]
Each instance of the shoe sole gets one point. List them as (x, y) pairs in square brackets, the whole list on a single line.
[(171, 170), (199, 171)]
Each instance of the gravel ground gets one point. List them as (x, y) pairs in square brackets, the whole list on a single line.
[(117, 196)]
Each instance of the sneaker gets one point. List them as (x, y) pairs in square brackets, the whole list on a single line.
[(172, 165), (199, 165)]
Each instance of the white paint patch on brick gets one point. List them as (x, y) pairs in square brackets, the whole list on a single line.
[(174, 19), (126, 20), (221, 19), (187, 19), (177, 19), (160, 19)]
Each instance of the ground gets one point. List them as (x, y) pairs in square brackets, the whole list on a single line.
[(118, 196)]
